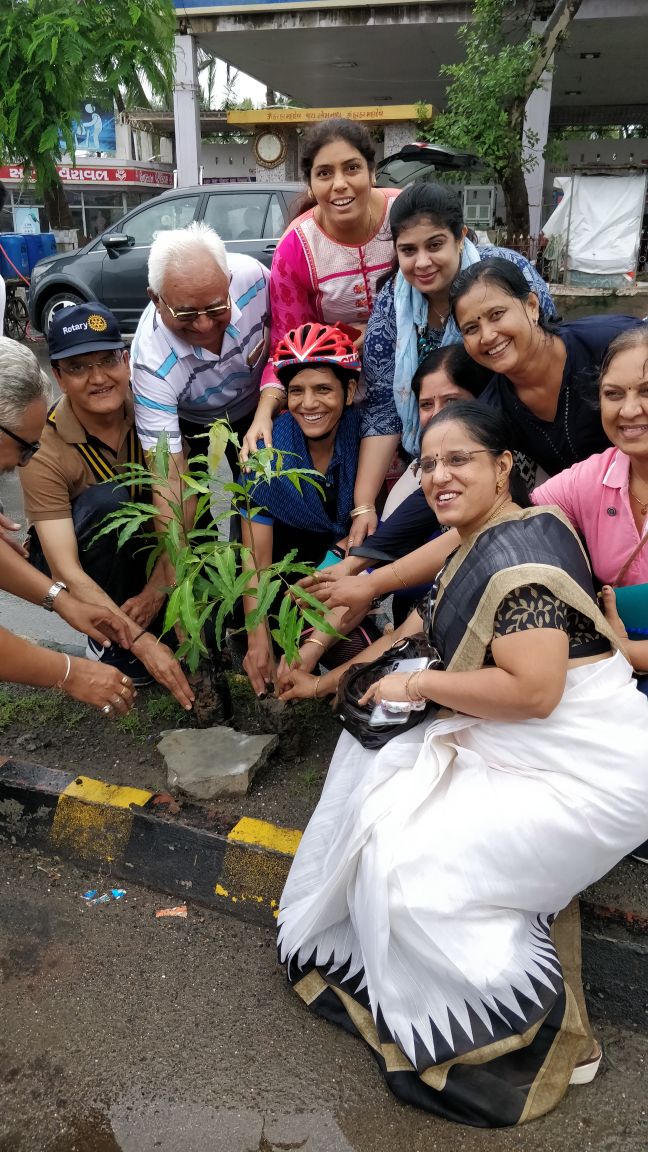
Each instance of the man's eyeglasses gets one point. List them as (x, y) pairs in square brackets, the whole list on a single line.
[(192, 314), (453, 461), (83, 368), (27, 450)]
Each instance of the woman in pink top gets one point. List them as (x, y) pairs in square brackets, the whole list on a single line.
[(606, 496), (326, 265)]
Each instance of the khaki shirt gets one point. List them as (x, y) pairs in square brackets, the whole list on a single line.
[(58, 473)]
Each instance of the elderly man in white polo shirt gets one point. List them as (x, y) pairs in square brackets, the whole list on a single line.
[(201, 344)]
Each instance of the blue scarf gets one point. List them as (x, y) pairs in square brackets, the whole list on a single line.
[(282, 500), (411, 314)]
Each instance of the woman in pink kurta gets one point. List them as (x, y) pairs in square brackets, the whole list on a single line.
[(326, 266)]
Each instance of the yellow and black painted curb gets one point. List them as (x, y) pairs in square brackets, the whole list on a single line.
[(239, 866)]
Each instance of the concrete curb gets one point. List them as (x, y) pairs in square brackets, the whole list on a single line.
[(240, 866)]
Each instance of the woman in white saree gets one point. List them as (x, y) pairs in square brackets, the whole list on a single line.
[(420, 911)]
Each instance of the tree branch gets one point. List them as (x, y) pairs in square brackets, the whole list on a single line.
[(554, 30)]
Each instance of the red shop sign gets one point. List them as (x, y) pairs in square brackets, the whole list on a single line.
[(98, 174)]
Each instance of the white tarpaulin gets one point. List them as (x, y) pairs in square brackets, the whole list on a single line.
[(599, 220)]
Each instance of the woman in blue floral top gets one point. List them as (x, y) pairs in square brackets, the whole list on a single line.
[(411, 317)]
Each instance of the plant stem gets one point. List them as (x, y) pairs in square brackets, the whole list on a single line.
[(255, 563)]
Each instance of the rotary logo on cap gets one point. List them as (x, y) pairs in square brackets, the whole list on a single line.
[(97, 323)]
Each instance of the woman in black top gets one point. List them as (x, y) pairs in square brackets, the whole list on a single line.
[(545, 376)]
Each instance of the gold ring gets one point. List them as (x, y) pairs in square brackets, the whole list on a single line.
[(107, 709), (125, 680), (123, 691)]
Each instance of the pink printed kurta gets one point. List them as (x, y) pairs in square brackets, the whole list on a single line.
[(314, 277)]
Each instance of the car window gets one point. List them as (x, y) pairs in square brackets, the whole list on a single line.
[(160, 216), (237, 215), (275, 223)]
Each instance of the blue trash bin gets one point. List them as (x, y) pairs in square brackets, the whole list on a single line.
[(14, 257), (39, 245)]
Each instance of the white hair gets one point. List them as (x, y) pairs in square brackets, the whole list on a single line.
[(22, 381), (178, 245)]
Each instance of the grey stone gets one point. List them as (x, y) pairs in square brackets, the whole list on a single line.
[(208, 763)]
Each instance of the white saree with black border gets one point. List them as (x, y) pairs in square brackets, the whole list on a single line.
[(420, 909)]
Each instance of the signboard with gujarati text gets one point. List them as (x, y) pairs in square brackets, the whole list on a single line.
[(378, 113), (97, 174)]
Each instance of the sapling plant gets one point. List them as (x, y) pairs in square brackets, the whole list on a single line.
[(212, 572)]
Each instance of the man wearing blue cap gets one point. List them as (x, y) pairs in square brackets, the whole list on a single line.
[(88, 434)]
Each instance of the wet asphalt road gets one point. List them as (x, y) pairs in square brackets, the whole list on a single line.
[(123, 1033)]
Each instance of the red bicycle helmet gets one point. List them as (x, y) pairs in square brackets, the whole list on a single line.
[(315, 344)]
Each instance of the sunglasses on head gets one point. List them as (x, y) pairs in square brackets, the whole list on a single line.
[(27, 450)]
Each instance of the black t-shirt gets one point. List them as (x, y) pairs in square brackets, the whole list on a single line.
[(576, 431)]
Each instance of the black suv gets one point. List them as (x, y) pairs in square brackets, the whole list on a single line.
[(249, 218)]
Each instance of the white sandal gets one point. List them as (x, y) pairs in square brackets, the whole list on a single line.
[(586, 1070)]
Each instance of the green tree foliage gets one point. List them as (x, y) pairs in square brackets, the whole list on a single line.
[(505, 57), (54, 54)]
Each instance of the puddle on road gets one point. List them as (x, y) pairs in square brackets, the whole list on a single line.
[(164, 1127)]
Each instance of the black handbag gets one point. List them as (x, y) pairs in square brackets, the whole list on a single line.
[(358, 679)]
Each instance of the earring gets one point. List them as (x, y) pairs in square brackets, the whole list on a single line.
[(498, 487)]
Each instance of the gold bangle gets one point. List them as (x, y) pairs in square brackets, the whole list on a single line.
[(419, 695), (407, 684), (314, 640), (317, 684), (361, 510), (398, 575)]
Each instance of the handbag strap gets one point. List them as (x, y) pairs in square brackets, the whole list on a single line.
[(635, 552)]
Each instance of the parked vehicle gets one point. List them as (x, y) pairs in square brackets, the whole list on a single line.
[(421, 161), (112, 268)]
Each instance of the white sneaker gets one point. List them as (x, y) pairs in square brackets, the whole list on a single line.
[(93, 650)]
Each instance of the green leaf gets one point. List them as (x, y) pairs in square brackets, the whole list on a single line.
[(194, 485), (161, 456), (266, 593), (187, 609)]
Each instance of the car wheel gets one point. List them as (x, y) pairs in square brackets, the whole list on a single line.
[(55, 304)]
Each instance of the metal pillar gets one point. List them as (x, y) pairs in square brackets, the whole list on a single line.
[(536, 121), (186, 112)]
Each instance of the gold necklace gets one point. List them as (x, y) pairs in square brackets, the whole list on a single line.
[(643, 507), (322, 223), (496, 512)]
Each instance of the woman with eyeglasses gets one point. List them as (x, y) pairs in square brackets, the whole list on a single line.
[(82, 441), (21, 421), (421, 910)]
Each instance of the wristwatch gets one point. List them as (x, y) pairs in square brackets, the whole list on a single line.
[(48, 601)]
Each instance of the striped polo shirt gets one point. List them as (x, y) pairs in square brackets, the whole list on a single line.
[(173, 379)]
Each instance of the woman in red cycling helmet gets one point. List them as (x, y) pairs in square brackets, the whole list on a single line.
[(319, 368)]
